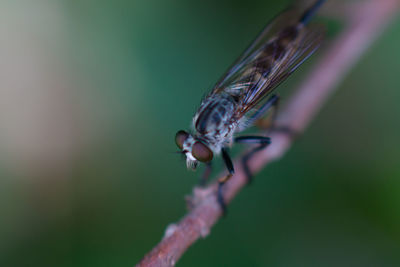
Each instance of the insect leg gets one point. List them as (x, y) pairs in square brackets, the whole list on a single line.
[(272, 102), (206, 174), (229, 165), (269, 122), (262, 141)]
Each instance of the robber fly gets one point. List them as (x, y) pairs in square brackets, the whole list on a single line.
[(243, 95)]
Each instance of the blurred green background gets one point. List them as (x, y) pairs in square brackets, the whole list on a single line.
[(91, 95)]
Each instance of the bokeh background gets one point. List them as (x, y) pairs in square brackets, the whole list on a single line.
[(91, 95)]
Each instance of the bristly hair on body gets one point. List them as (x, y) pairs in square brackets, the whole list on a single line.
[(244, 91)]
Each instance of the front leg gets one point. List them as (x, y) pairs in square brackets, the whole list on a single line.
[(206, 174), (262, 142), (229, 165)]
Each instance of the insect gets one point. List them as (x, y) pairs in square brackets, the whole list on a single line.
[(244, 94)]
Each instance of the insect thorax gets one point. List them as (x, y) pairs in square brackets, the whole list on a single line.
[(214, 121)]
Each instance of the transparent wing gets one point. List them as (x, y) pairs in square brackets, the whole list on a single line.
[(285, 19), (307, 42)]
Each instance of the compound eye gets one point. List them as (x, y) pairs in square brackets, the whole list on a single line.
[(180, 138), (202, 152)]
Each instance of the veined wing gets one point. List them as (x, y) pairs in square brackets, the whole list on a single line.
[(287, 18), (264, 80), (280, 48)]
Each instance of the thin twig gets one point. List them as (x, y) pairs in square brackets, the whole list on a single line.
[(366, 23)]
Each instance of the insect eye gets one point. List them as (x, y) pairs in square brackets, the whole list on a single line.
[(202, 152), (180, 138)]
